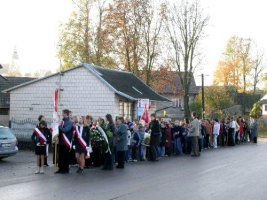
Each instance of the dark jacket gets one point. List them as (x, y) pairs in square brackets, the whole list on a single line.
[(67, 129), (85, 136), (46, 132), (122, 138), (179, 130), (154, 126), (163, 136), (112, 128)]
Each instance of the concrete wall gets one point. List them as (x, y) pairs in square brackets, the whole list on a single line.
[(83, 93), (4, 120)]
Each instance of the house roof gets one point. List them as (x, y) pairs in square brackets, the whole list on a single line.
[(122, 83), (126, 84), (169, 82), (263, 100), (8, 82)]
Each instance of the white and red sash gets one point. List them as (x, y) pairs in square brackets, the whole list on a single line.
[(79, 136), (40, 135), (66, 141)]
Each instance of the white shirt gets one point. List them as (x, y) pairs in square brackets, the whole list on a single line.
[(216, 128)]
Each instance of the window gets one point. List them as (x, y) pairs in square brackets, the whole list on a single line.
[(177, 103), (265, 107), (125, 109)]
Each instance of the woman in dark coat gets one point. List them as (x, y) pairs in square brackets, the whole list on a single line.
[(108, 163)]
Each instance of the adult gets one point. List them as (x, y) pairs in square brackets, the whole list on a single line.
[(208, 135), (110, 126), (231, 132), (64, 142), (163, 138), (253, 129), (194, 134), (177, 133), (216, 132), (154, 127), (121, 142)]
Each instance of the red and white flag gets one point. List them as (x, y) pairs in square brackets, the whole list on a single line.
[(145, 116), (56, 100), (40, 135)]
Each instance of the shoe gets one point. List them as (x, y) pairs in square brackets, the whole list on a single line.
[(78, 170), (37, 171), (46, 164), (81, 171), (120, 167), (134, 160), (41, 170)]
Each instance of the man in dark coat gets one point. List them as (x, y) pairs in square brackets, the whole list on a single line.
[(65, 142), (154, 127)]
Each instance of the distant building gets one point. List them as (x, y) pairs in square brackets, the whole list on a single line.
[(263, 102), (5, 83), (168, 84)]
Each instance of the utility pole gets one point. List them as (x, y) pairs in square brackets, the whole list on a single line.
[(203, 97)]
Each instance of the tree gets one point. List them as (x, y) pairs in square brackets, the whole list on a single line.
[(257, 69), (240, 63), (185, 25), (7, 70), (152, 26), (124, 26), (83, 41), (256, 111)]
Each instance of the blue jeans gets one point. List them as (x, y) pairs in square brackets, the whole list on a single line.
[(162, 151), (141, 152), (128, 154), (178, 146)]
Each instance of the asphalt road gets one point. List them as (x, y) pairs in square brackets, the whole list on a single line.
[(232, 173)]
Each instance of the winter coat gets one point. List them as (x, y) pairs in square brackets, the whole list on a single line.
[(67, 129), (154, 126), (122, 138), (194, 128)]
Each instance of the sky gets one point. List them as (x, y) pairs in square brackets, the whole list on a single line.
[(32, 27)]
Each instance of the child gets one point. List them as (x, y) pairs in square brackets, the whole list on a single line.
[(40, 138), (135, 143), (81, 142), (141, 147)]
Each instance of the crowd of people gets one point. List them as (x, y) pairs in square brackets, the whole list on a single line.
[(87, 143)]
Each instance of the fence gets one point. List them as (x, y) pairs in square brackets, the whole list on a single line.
[(23, 129), (262, 127)]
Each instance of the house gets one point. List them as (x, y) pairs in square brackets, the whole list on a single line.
[(85, 89), (263, 102), (5, 83), (168, 84)]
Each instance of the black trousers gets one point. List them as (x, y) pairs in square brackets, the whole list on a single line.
[(108, 162), (121, 158), (63, 158), (207, 141), (154, 143)]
